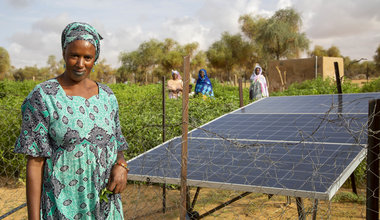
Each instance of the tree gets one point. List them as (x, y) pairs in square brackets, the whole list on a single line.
[(318, 51), (52, 65), (27, 73), (149, 54), (279, 36), (5, 63), (333, 51), (102, 72), (129, 66), (376, 58), (197, 63), (155, 59), (229, 52)]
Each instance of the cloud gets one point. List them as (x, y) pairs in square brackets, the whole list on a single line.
[(48, 24), (20, 3), (186, 30), (348, 24), (353, 26), (32, 47), (223, 16)]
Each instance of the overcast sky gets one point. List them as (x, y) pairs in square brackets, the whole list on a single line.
[(31, 29)]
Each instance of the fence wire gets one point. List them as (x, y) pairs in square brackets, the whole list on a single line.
[(141, 120)]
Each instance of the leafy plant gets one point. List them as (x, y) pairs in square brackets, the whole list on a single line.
[(349, 197), (103, 195)]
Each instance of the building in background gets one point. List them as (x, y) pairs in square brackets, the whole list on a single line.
[(282, 73)]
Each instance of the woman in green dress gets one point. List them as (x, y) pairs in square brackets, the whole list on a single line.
[(72, 138)]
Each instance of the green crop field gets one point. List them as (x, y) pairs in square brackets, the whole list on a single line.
[(141, 113)]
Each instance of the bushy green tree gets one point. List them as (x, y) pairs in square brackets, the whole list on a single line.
[(155, 59), (279, 35), (103, 72), (229, 52), (5, 63), (376, 58), (333, 51)]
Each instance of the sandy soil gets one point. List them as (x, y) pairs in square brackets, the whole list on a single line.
[(145, 202)]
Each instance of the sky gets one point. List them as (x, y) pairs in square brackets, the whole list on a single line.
[(31, 29)]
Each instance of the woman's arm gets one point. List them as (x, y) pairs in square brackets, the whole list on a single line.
[(34, 175), (118, 179)]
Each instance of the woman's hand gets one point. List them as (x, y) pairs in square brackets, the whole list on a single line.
[(118, 178)]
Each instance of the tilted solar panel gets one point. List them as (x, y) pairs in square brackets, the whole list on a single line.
[(303, 146)]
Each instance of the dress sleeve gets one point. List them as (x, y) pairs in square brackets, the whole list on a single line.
[(121, 142), (34, 137)]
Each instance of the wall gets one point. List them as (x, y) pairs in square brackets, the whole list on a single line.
[(282, 73)]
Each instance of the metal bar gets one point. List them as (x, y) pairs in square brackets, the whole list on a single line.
[(353, 183), (185, 121), (288, 200), (315, 209), (188, 207), (241, 93), (163, 140), (316, 66), (13, 211), (301, 213), (372, 209), (337, 76), (195, 198), (224, 205)]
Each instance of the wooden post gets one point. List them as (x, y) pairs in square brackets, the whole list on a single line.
[(185, 121), (373, 160), (241, 93), (163, 111), (163, 140)]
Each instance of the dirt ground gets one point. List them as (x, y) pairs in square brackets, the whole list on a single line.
[(145, 202)]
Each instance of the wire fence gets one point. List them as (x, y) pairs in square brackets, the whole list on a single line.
[(147, 198)]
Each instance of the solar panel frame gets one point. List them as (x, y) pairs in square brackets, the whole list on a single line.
[(335, 110), (165, 168)]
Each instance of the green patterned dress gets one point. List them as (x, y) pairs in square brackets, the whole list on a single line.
[(80, 139)]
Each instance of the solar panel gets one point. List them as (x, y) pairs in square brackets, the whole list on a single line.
[(332, 128), (294, 169), (303, 146), (346, 103)]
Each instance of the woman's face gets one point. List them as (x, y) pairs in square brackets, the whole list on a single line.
[(257, 70), (202, 74), (175, 76), (79, 57)]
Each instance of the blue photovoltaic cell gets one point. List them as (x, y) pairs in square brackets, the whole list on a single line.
[(346, 103), (311, 167), (304, 145), (333, 128)]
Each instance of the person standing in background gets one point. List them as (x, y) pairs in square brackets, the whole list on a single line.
[(203, 85), (259, 87), (175, 85)]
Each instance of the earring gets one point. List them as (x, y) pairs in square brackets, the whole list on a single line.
[(64, 66), (93, 70)]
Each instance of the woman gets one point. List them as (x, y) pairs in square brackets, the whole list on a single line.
[(175, 85), (72, 137), (203, 85), (259, 87)]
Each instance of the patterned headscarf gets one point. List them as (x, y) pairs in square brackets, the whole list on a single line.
[(176, 72), (255, 76), (204, 85), (81, 31)]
